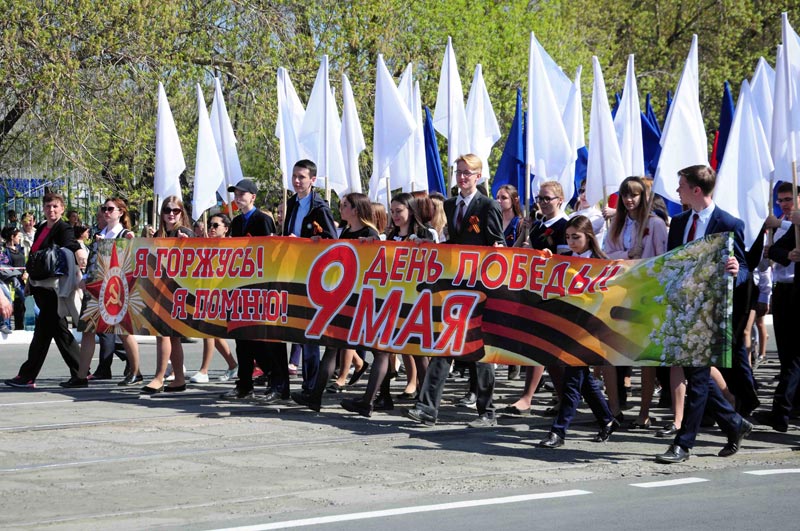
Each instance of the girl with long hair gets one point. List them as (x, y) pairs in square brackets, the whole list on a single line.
[(219, 225), (175, 223)]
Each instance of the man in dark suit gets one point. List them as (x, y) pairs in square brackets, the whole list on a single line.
[(271, 357), (695, 185), (786, 251), (472, 219), (308, 215), (50, 326)]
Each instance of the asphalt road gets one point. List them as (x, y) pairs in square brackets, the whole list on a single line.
[(101, 457)]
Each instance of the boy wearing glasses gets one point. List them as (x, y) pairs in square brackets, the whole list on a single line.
[(472, 219)]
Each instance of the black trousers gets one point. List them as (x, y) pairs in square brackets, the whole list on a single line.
[(49, 327), (271, 357), (430, 395)]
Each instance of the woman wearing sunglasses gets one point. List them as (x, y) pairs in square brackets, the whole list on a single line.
[(218, 227), (175, 223)]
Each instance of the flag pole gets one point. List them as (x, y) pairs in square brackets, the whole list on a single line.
[(771, 233), (285, 201), (526, 212)]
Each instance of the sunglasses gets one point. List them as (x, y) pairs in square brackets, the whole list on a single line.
[(173, 211), (215, 225), (107, 209), (544, 199)]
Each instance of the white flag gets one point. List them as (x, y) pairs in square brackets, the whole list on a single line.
[(226, 142), (287, 128), (352, 138), (420, 173), (401, 171), (683, 140), (762, 88), (393, 127), (321, 133), (573, 124), (604, 170), (449, 117), (484, 130), (743, 180), (169, 155), (208, 172), (786, 112), (549, 150), (628, 124)]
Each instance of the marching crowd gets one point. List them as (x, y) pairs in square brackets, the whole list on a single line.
[(638, 228)]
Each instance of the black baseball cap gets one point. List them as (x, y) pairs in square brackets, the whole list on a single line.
[(245, 185)]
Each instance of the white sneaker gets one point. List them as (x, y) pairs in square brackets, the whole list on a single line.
[(229, 374), (169, 376), (199, 377)]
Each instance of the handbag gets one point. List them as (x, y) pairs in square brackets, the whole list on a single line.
[(46, 263)]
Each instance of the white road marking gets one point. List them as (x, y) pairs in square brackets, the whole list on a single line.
[(775, 471), (668, 483), (407, 510)]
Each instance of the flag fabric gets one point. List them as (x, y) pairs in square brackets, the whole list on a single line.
[(208, 171), (786, 112), (420, 169), (511, 168), (683, 140), (169, 155), (628, 125), (402, 170), (548, 148), (743, 180), (667, 105), (762, 89), (393, 127), (352, 138), (484, 131), (725, 120), (449, 116), (432, 161), (225, 140), (573, 124), (651, 115), (321, 132), (651, 147), (287, 128), (605, 170)]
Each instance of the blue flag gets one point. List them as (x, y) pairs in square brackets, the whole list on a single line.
[(580, 174), (667, 106), (651, 115), (432, 160), (651, 147), (617, 100), (725, 121), (511, 168)]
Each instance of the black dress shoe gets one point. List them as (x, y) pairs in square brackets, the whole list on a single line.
[(307, 399), (407, 396), (75, 383), (735, 440), (357, 406), (237, 394), (358, 374), (553, 440), (767, 418), (130, 379), (151, 390), (100, 375), (383, 403), (670, 430), (513, 411), (674, 454), (606, 431), (175, 389), (270, 397)]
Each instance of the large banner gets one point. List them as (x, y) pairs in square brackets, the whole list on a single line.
[(501, 305)]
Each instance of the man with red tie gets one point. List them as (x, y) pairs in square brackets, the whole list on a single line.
[(695, 186)]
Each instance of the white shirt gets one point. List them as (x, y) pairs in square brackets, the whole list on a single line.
[(702, 222), (782, 274)]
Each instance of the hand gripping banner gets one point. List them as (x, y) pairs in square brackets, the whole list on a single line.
[(499, 305)]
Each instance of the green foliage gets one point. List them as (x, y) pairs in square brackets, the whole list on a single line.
[(78, 77)]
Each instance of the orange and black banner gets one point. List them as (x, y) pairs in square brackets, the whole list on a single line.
[(501, 305)]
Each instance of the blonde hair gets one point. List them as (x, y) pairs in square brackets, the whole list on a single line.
[(473, 162)]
